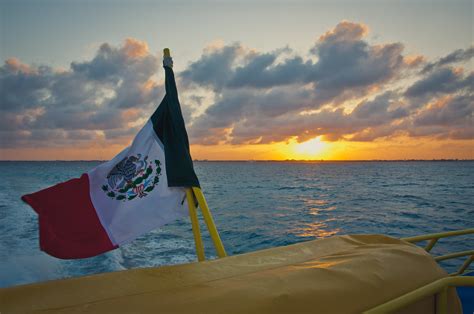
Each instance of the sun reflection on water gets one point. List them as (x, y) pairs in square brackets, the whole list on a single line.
[(319, 213), (317, 229)]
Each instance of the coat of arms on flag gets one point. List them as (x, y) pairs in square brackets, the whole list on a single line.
[(144, 187), (133, 176)]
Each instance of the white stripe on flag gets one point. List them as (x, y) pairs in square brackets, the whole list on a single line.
[(125, 219)]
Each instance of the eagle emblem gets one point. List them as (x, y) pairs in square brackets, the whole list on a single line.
[(133, 176)]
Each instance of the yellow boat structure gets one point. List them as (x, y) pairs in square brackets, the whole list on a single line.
[(340, 274)]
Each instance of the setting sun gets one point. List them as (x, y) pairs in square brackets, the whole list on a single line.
[(312, 149)]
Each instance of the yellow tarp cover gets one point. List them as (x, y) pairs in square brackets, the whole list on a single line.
[(343, 274)]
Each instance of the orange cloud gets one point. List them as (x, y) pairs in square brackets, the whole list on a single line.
[(414, 60), (149, 86), (131, 114), (16, 65), (135, 48), (346, 31)]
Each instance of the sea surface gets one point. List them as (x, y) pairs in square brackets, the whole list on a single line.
[(255, 205)]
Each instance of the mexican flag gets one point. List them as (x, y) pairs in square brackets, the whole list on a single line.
[(140, 189)]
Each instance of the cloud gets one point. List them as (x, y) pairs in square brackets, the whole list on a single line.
[(380, 110), (350, 69), (459, 55), (441, 81), (262, 72), (214, 68), (345, 31), (452, 116), (43, 106)]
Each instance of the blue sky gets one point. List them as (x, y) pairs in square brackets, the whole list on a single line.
[(58, 32)]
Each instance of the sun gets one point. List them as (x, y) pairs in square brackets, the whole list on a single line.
[(312, 149)]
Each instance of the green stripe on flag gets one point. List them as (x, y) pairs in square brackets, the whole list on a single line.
[(168, 124)]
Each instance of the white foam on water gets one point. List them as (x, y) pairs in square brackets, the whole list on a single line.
[(23, 269)]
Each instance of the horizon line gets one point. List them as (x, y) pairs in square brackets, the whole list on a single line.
[(254, 160)]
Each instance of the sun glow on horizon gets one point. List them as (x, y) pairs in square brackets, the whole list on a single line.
[(314, 148)]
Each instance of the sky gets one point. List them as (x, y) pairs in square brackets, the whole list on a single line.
[(258, 80)]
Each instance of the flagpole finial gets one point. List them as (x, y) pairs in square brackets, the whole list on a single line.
[(167, 60)]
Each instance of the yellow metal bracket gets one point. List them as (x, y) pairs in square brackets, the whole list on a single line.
[(193, 194), (195, 225)]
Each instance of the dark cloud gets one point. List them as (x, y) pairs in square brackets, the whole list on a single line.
[(460, 55), (456, 112), (262, 72), (441, 81), (347, 62), (213, 69), (21, 87), (382, 109)]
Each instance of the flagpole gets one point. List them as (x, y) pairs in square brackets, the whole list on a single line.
[(206, 213), (195, 224)]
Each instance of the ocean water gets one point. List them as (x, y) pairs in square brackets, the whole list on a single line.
[(255, 205)]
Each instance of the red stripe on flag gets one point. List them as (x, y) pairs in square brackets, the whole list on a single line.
[(68, 223)]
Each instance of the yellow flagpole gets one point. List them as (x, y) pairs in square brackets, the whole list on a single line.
[(195, 224), (206, 213)]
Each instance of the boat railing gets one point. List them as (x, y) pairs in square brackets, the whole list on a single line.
[(433, 239), (440, 287)]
